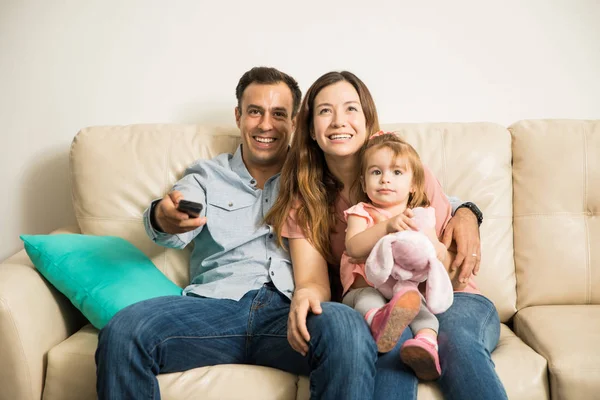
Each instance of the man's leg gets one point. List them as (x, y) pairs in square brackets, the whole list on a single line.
[(342, 353), (469, 332), (168, 334)]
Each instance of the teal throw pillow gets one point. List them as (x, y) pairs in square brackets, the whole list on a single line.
[(99, 274)]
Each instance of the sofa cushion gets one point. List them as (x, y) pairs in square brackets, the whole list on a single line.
[(567, 336), (100, 275), (556, 167), (71, 375)]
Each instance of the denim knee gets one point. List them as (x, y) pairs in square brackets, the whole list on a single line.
[(342, 354), (339, 326), (472, 320), (129, 325)]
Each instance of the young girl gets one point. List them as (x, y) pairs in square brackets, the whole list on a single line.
[(393, 182)]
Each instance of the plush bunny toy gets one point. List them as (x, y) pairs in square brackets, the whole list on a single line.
[(405, 259)]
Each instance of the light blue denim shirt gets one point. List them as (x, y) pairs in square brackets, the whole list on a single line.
[(235, 251)]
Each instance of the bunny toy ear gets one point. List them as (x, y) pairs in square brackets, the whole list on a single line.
[(439, 293), (380, 262)]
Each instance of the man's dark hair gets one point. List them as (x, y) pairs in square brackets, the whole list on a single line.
[(268, 76)]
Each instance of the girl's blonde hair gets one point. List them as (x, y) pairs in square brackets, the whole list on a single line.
[(306, 183), (400, 148)]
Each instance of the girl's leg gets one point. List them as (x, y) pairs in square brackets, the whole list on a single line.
[(387, 320), (364, 299), (421, 353), (469, 332)]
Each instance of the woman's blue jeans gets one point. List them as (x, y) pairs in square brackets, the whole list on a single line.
[(171, 334), (469, 332)]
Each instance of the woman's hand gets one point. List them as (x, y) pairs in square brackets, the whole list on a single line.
[(304, 300), (312, 287)]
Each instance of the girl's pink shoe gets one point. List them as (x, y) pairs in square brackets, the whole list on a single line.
[(422, 356), (390, 320)]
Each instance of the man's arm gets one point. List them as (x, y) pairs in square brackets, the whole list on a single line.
[(463, 228), (457, 203), (167, 226)]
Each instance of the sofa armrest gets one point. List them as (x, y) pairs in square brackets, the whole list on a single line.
[(34, 317)]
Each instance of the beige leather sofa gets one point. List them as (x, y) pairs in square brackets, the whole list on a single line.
[(537, 182)]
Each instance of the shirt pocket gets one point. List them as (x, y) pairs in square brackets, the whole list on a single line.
[(230, 217), (230, 204)]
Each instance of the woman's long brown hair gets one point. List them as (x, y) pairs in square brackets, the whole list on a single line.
[(306, 184)]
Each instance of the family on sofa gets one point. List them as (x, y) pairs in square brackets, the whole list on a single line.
[(277, 221)]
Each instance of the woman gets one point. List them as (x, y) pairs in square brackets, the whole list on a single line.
[(319, 182)]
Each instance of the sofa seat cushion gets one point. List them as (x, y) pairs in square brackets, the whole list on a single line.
[(567, 336), (71, 375)]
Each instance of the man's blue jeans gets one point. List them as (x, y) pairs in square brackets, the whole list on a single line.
[(469, 332), (170, 334)]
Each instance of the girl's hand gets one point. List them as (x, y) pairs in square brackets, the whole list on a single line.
[(442, 253), (304, 300), (440, 250), (402, 222)]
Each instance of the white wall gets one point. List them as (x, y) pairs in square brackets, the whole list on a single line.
[(69, 64)]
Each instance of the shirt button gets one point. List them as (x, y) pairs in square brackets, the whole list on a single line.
[(230, 204), (252, 182), (272, 273), (271, 236), (266, 200)]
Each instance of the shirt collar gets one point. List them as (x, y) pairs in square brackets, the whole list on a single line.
[(238, 166)]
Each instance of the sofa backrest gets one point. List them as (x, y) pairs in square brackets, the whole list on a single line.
[(556, 175), (116, 171)]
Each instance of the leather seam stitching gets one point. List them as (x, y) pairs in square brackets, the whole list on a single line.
[(585, 220), (557, 214)]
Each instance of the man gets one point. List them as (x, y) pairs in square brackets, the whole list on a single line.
[(235, 310)]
